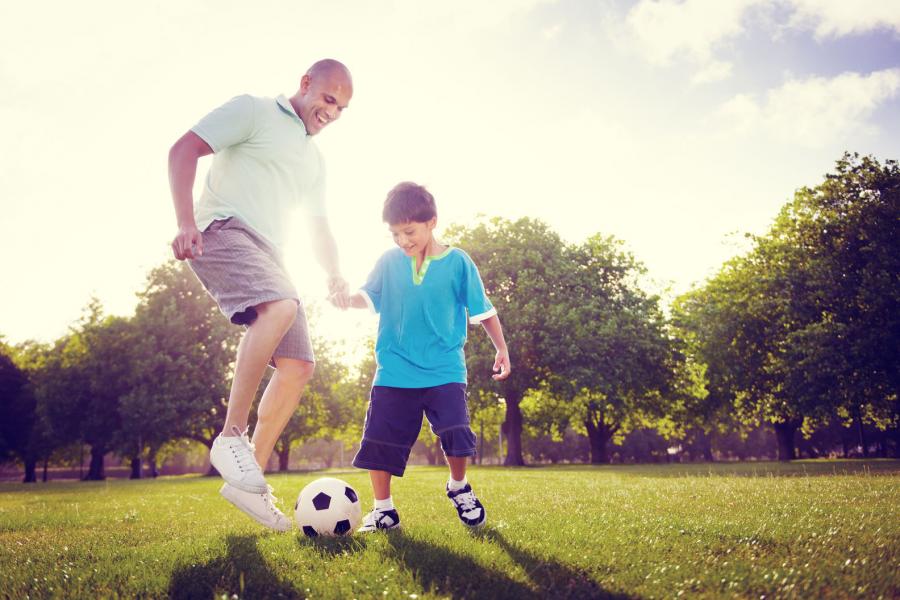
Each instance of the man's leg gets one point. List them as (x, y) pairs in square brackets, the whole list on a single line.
[(256, 347), (278, 404)]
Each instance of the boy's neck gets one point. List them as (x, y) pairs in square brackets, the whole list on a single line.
[(433, 248)]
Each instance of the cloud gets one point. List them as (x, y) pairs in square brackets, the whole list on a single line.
[(668, 29), (812, 111), (837, 18), (696, 31)]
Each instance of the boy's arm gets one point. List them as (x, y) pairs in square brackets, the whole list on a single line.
[(501, 362)]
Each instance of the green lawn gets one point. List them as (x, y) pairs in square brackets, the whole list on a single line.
[(809, 529)]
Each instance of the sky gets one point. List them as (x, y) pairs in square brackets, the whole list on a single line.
[(675, 126)]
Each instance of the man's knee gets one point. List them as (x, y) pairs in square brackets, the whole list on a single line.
[(282, 312), (294, 372)]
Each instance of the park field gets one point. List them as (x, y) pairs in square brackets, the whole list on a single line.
[(820, 529)]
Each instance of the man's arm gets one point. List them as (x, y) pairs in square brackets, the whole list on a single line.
[(183, 157), (502, 367), (325, 249)]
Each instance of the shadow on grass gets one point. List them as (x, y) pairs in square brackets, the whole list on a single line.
[(329, 547), (242, 571), (446, 572)]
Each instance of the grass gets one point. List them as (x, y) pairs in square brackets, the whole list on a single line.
[(817, 529)]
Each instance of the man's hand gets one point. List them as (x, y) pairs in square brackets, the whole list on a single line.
[(501, 365), (188, 243), (338, 292)]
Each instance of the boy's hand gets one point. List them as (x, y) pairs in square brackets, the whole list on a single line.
[(338, 292), (501, 365)]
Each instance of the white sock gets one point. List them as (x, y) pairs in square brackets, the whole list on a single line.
[(454, 485), (386, 504)]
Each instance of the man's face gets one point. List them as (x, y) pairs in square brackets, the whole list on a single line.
[(413, 237), (322, 98)]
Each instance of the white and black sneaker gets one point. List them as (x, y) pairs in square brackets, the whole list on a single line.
[(379, 519), (233, 458), (467, 505)]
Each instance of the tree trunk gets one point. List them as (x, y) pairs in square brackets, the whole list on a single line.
[(30, 471), (135, 468), (513, 431), (599, 434), (861, 432), (784, 433), (284, 457), (96, 471), (151, 459)]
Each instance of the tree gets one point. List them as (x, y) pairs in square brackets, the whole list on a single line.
[(18, 408), (520, 263), (803, 327), (185, 350), (614, 365)]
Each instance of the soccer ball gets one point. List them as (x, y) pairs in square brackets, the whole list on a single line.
[(327, 506)]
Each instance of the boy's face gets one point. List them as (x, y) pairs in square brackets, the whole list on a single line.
[(413, 237)]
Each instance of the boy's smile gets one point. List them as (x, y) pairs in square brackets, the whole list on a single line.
[(415, 238)]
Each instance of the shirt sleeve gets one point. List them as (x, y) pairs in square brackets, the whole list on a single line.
[(474, 297), (372, 290), (228, 125)]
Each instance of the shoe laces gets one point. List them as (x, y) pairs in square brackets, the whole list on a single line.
[(272, 501), (466, 500), (244, 450)]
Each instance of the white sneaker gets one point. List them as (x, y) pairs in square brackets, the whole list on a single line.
[(260, 507), (233, 459)]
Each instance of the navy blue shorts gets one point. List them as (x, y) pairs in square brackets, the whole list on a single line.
[(394, 419)]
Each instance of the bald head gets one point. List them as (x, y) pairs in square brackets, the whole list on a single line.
[(329, 67), (325, 91)]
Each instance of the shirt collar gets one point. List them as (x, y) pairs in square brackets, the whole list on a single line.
[(285, 104)]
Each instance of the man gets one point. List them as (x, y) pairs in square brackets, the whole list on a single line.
[(265, 164)]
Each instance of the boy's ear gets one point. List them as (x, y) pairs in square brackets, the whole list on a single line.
[(432, 222)]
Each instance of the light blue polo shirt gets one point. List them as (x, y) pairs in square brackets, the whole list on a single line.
[(264, 166), (423, 316)]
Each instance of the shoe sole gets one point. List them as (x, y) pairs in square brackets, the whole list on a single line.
[(397, 526), (225, 494)]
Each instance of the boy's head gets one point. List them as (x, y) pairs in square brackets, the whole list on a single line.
[(411, 216)]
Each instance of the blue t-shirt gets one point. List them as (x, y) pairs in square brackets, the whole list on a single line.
[(422, 316)]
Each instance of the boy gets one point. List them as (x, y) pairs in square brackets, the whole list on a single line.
[(422, 291)]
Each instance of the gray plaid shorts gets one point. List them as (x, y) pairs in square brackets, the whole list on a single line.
[(241, 270)]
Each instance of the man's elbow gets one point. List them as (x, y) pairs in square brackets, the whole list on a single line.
[(190, 146)]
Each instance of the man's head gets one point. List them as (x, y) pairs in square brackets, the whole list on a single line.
[(411, 215), (325, 91)]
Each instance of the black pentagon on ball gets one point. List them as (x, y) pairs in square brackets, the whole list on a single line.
[(342, 527), (351, 494), (309, 531), (322, 501)]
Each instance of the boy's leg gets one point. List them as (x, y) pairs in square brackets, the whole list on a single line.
[(384, 515), (381, 484), (457, 466), (278, 404), (448, 414)]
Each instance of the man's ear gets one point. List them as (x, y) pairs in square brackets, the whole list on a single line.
[(304, 85)]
